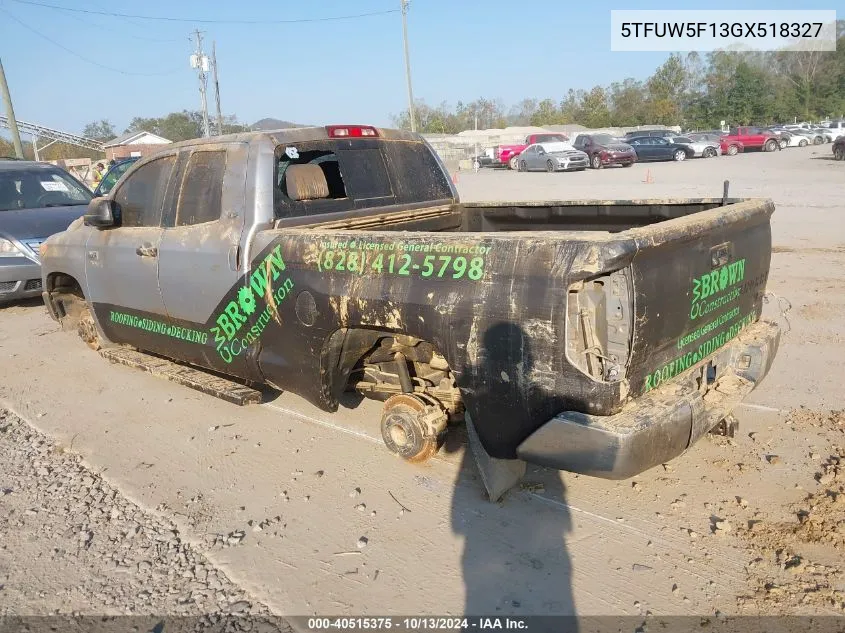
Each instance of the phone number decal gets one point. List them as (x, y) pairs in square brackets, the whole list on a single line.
[(404, 263)]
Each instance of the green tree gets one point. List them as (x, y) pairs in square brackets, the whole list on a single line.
[(626, 102), (101, 130), (595, 112)]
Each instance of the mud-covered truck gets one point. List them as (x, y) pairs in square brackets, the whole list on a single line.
[(600, 336)]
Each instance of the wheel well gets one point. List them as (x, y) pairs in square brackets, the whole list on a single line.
[(365, 361), (60, 282), (66, 299)]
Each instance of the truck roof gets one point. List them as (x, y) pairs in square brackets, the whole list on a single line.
[(291, 135)]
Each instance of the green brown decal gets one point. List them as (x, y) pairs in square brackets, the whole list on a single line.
[(158, 327), (716, 282), (452, 261), (682, 363), (258, 286)]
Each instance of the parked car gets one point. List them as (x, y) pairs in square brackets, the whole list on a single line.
[(658, 133), (702, 148), (506, 154), (814, 137), (753, 138), (837, 129), (483, 160), (839, 148), (113, 175), (653, 148), (604, 150), (731, 148), (782, 135), (826, 134), (604, 337), (36, 201), (552, 157)]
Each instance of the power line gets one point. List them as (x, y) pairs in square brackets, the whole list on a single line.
[(109, 31), (205, 21), (79, 56)]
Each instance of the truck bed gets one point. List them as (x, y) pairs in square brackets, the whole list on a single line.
[(612, 216), (604, 301)]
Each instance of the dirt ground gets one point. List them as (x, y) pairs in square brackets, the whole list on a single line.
[(302, 512)]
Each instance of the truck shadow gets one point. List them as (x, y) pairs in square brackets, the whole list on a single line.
[(515, 559)]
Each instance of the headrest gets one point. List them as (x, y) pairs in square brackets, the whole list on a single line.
[(306, 182)]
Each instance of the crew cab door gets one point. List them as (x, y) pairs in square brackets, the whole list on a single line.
[(199, 259), (121, 266)]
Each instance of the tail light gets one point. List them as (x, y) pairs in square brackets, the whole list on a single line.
[(599, 326), (351, 131)]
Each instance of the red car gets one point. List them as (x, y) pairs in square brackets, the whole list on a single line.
[(506, 154), (603, 149), (750, 138)]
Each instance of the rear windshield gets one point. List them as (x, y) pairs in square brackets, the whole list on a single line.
[(355, 174), (549, 138), (37, 188)]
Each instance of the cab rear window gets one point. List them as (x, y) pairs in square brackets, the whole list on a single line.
[(339, 175)]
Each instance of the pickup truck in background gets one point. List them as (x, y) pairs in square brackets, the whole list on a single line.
[(507, 154), (603, 337), (751, 138)]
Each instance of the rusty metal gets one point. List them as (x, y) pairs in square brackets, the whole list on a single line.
[(187, 376)]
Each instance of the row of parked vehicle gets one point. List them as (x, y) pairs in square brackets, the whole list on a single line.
[(554, 152)]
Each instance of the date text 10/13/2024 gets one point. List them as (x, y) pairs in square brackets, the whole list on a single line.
[(416, 623)]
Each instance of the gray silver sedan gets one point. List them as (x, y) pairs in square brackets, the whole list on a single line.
[(36, 201), (552, 157)]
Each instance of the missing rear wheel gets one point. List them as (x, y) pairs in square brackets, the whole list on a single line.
[(405, 430)]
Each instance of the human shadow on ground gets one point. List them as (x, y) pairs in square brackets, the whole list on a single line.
[(515, 560)]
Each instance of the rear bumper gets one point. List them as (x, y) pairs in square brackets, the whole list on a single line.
[(662, 424), (19, 280)]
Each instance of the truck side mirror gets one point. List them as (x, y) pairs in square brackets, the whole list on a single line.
[(100, 213)]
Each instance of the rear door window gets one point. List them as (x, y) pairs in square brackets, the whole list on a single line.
[(202, 189)]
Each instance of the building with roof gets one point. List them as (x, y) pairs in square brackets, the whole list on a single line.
[(140, 143)]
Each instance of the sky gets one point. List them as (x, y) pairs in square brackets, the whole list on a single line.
[(344, 71)]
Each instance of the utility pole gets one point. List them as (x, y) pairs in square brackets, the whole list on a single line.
[(475, 163), (200, 62), (411, 115), (216, 88), (10, 113)]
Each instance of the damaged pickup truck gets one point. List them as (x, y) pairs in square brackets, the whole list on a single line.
[(602, 337)]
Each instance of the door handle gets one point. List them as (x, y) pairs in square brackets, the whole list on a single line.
[(146, 250)]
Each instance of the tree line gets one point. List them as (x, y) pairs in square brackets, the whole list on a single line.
[(693, 91)]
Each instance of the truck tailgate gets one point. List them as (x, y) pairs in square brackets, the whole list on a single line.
[(698, 281)]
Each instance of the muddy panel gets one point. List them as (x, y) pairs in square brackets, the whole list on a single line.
[(693, 294), (495, 309), (495, 306)]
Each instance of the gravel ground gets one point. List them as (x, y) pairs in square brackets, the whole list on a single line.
[(70, 543)]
